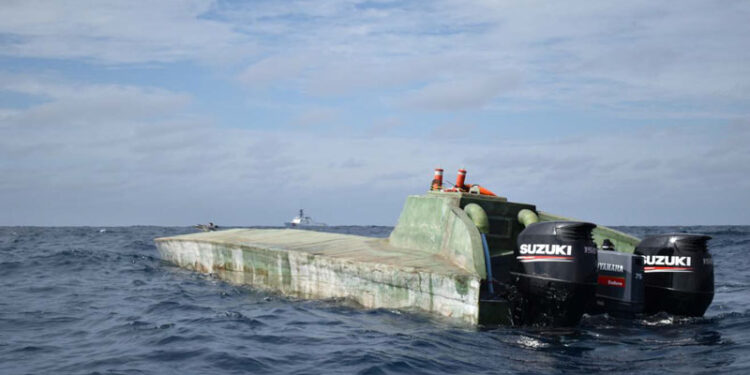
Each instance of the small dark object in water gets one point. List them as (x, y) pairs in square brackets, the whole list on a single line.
[(210, 227)]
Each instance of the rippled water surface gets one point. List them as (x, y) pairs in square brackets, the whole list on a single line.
[(99, 300)]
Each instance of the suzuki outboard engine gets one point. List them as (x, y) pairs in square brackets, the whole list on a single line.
[(679, 273), (554, 272)]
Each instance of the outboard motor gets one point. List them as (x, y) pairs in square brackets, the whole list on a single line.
[(679, 273), (555, 273), (620, 288)]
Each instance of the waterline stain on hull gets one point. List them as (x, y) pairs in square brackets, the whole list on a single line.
[(319, 265)]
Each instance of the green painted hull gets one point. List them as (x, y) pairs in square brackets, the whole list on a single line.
[(433, 260)]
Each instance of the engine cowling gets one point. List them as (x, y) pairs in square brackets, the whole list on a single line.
[(679, 273), (620, 288), (555, 272)]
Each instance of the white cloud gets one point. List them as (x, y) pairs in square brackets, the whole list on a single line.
[(383, 126), (613, 56), (452, 130), (577, 54), (315, 116), (104, 105), (471, 93), (173, 165), (88, 148), (117, 32), (273, 69)]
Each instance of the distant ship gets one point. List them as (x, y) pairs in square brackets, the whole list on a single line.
[(210, 227), (303, 221)]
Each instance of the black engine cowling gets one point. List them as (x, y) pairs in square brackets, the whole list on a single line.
[(555, 271), (679, 273)]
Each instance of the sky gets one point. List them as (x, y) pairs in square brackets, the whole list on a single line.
[(242, 112)]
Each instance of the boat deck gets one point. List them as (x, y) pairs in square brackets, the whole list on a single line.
[(308, 264)]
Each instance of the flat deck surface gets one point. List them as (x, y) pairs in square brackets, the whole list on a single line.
[(341, 246)]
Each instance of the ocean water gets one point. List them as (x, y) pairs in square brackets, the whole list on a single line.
[(89, 300)]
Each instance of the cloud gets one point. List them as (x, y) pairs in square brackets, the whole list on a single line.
[(315, 116), (114, 32), (82, 135), (459, 94), (383, 126), (74, 148), (436, 55), (448, 55), (172, 167), (104, 105), (452, 131), (273, 69), (352, 163), (678, 174)]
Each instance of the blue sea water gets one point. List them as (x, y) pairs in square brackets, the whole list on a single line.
[(88, 300)]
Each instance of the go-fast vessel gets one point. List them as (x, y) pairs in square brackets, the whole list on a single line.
[(470, 255)]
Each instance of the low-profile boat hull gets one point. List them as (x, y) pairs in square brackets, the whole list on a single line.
[(438, 259)]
